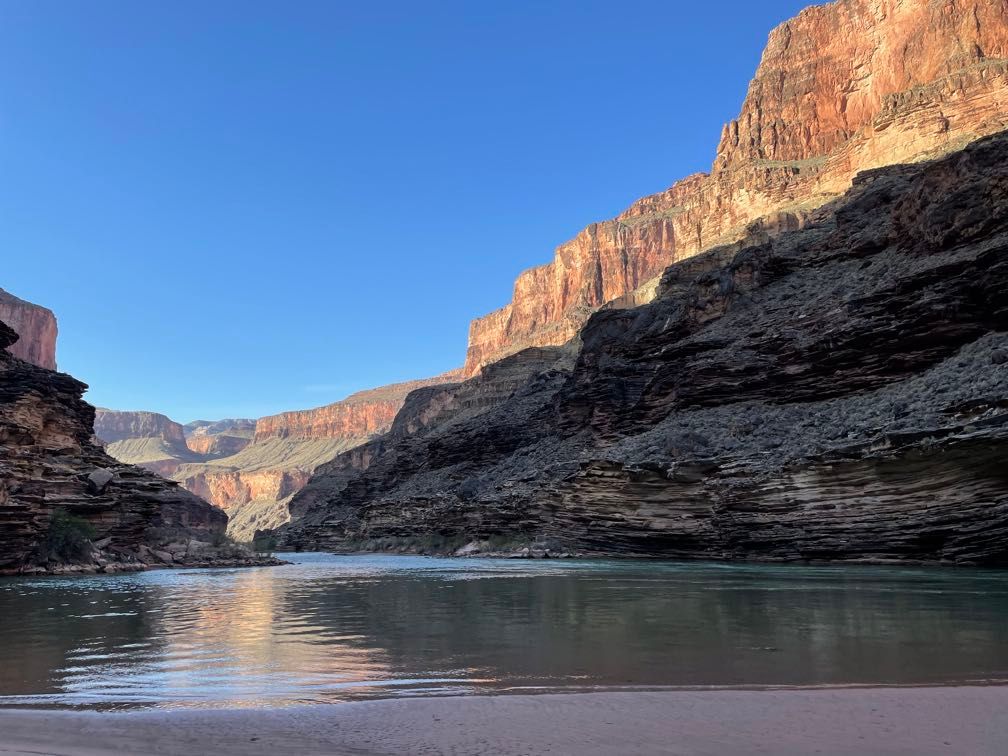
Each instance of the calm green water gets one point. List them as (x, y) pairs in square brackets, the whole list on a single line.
[(336, 628)]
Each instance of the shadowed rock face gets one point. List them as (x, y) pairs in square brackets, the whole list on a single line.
[(49, 462), (427, 421), (841, 88), (35, 327), (839, 392)]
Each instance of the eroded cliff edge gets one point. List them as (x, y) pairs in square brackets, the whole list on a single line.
[(59, 488), (841, 88), (35, 327), (839, 392)]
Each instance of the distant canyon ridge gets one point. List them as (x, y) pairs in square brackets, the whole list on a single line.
[(251, 468)]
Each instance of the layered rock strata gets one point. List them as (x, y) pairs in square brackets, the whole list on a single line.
[(841, 88), (148, 439), (50, 465), (363, 414), (839, 392), (112, 426), (254, 486), (219, 438), (431, 413), (35, 327)]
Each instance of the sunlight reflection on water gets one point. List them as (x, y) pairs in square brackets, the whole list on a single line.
[(336, 628)]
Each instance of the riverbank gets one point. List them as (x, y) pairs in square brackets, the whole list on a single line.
[(126, 566), (921, 721)]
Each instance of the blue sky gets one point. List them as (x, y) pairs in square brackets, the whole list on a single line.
[(239, 208)]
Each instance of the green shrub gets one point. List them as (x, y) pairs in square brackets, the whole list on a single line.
[(219, 538), (265, 544), (69, 537)]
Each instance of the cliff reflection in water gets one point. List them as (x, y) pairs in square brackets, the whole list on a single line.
[(335, 628)]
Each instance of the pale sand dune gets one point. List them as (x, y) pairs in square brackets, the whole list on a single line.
[(920, 721)]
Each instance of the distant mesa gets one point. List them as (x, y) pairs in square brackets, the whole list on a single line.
[(35, 327)]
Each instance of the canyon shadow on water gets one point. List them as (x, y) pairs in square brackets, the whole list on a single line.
[(331, 628)]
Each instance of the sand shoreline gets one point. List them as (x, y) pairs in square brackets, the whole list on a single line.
[(932, 720)]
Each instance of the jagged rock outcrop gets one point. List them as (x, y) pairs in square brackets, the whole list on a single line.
[(51, 467), (35, 327), (841, 88), (838, 392)]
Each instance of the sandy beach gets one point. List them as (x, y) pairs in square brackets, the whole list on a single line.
[(960, 720)]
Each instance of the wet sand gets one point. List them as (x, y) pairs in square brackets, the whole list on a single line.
[(960, 720)]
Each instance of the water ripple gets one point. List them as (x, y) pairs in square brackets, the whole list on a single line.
[(339, 628)]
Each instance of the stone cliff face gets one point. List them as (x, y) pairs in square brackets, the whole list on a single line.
[(220, 438), (340, 420), (435, 409), (112, 425), (841, 88), (255, 485), (838, 392), (360, 415), (35, 327), (148, 439), (217, 445), (235, 488), (49, 465)]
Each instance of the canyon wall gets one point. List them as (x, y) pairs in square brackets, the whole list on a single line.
[(359, 415), (217, 444), (35, 327), (254, 485), (838, 392), (51, 468), (219, 438), (438, 406), (112, 425), (841, 88)]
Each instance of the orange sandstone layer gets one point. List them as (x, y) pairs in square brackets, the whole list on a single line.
[(841, 88), (230, 489), (285, 451), (360, 415), (111, 426), (220, 445), (36, 328)]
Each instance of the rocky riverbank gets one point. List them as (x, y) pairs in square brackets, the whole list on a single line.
[(67, 507)]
